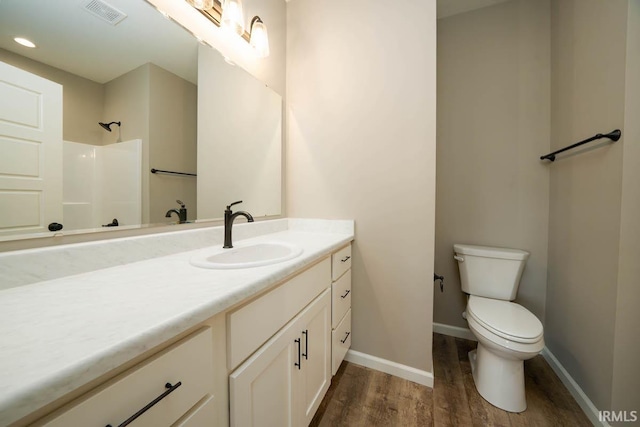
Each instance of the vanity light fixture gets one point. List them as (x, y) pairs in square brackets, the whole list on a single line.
[(201, 4), (259, 37), (228, 14), (24, 42), (232, 16)]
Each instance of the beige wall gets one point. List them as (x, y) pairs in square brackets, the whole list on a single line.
[(361, 145), (588, 97), (626, 376), (173, 115), (493, 124), (82, 99)]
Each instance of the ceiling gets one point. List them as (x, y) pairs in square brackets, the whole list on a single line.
[(72, 39), (448, 8)]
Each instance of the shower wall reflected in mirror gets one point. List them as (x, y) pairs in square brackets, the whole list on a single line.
[(138, 77)]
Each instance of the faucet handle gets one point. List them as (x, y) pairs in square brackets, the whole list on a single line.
[(180, 203), (234, 203)]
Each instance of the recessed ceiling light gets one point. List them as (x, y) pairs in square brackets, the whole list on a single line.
[(24, 42)]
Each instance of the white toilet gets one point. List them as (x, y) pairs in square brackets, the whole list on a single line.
[(507, 333)]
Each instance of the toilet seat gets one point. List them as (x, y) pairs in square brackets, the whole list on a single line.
[(506, 319)]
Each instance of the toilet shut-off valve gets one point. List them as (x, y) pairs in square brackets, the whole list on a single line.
[(441, 279)]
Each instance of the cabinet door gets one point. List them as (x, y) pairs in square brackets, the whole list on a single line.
[(262, 390), (316, 359), (283, 383)]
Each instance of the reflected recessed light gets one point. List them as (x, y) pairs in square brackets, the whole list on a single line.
[(24, 42)]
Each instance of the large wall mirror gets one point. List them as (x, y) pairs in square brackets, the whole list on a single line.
[(166, 103)]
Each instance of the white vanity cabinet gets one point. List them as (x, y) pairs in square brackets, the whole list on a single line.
[(341, 306), (266, 361), (283, 382), (178, 379)]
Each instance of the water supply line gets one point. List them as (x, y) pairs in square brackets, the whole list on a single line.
[(441, 279)]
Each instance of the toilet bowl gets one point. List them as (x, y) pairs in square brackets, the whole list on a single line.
[(507, 333)]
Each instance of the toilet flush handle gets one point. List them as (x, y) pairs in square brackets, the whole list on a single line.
[(458, 258)]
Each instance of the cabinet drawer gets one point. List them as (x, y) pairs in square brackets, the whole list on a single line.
[(341, 262), (341, 341), (189, 362), (201, 415), (340, 298), (253, 324)]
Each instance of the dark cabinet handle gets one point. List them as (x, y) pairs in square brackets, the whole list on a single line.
[(54, 226), (306, 344), (170, 389), (297, 341), (345, 294), (345, 338), (345, 259)]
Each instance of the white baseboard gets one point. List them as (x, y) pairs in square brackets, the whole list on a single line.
[(583, 400), (454, 331), (392, 368)]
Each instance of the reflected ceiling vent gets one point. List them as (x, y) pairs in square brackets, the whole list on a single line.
[(104, 11)]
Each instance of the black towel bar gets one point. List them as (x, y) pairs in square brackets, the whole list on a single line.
[(613, 135), (154, 170)]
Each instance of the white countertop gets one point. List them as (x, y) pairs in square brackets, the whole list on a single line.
[(60, 334)]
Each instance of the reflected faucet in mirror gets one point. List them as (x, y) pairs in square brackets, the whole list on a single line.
[(182, 213), (229, 217), (113, 223)]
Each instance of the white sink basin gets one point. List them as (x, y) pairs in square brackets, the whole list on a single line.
[(255, 255)]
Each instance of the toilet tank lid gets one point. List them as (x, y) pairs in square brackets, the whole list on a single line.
[(490, 252)]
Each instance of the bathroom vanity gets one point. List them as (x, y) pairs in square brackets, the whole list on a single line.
[(194, 346)]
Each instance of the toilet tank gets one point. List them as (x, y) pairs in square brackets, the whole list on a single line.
[(490, 272)]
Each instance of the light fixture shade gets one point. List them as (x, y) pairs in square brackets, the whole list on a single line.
[(201, 4), (259, 37), (232, 16)]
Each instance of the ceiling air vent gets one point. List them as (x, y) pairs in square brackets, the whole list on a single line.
[(104, 11)]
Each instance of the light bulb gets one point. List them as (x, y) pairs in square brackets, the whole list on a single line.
[(232, 16), (201, 4), (259, 38)]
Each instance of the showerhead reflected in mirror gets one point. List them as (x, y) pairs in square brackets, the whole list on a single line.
[(107, 126)]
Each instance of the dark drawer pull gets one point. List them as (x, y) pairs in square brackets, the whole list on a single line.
[(170, 388), (306, 344), (345, 338), (345, 294), (345, 259), (299, 362)]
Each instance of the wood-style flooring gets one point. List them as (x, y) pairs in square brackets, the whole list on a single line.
[(359, 396)]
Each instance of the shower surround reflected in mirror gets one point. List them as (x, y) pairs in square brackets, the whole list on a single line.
[(143, 72)]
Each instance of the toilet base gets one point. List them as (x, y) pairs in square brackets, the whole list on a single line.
[(499, 381)]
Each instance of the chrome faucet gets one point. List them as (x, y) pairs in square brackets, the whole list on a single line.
[(228, 222), (182, 213)]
